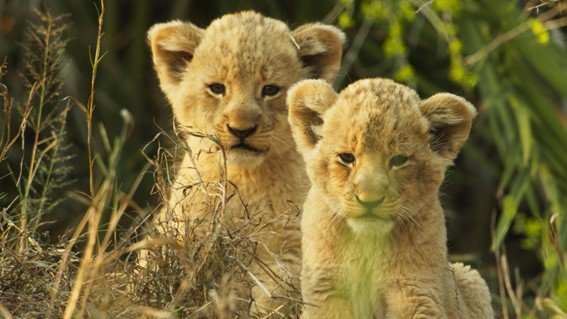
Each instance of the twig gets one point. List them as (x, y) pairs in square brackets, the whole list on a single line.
[(558, 9), (498, 41), (501, 291), (514, 299), (536, 7), (554, 237), (555, 24), (352, 53), (254, 278), (423, 6), (457, 291), (93, 215), (334, 13), (91, 104), (273, 312), (513, 33), (438, 24)]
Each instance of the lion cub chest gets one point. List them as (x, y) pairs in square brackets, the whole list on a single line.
[(364, 275)]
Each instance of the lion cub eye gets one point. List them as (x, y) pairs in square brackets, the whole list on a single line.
[(398, 160), (217, 88), (270, 90), (346, 158)]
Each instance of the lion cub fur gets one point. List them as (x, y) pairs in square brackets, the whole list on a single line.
[(374, 237), (228, 84)]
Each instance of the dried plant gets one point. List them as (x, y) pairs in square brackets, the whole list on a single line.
[(204, 276), (38, 126), (43, 164)]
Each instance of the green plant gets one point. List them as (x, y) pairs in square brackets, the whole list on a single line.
[(43, 170), (38, 125), (39, 278)]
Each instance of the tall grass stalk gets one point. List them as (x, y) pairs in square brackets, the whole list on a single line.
[(95, 60), (94, 216), (44, 51), (99, 197)]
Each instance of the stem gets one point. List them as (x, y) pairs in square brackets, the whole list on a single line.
[(33, 162), (352, 53), (513, 33), (99, 200), (56, 145), (498, 41), (91, 104), (94, 215)]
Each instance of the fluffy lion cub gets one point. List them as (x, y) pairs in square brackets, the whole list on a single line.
[(227, 86), (374, 238)]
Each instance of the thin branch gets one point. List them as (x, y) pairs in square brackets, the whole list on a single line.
[(421, 7), (352, 53), (91, 102), (513, 33)]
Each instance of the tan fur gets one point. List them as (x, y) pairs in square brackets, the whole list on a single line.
[(388, 259), (245, 52)]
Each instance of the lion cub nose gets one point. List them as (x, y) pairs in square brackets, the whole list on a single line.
[(242, 133), (368, 203)]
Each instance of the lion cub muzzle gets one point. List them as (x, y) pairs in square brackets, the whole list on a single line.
[(241, 135), (369, 203), (370, 189), (241, 129)]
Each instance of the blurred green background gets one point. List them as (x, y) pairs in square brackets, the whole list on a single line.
[(506, 196)]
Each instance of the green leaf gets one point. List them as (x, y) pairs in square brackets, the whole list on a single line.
[(522, 115), (509, 210), (510, 204), (548, 61)]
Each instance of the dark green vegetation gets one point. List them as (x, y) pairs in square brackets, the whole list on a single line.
[(79, 161)]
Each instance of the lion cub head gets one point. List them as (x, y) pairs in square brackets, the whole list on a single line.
[(376, 152), (230, 79)]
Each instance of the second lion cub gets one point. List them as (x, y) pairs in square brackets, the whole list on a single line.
[(374, 237)]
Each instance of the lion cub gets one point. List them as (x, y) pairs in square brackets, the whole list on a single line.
[(227, 86), (374, 237)]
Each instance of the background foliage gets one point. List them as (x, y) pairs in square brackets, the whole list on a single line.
[(63, 142)]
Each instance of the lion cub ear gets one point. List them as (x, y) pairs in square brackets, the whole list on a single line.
[(320, 48), (450, 119), (308, 100), (173, 44)]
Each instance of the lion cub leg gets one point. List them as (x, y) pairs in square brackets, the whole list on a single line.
[(331, 308), (474, 299), (415, 299)]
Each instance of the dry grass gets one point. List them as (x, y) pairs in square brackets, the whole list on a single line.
[(91, 272), (206, 276)]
